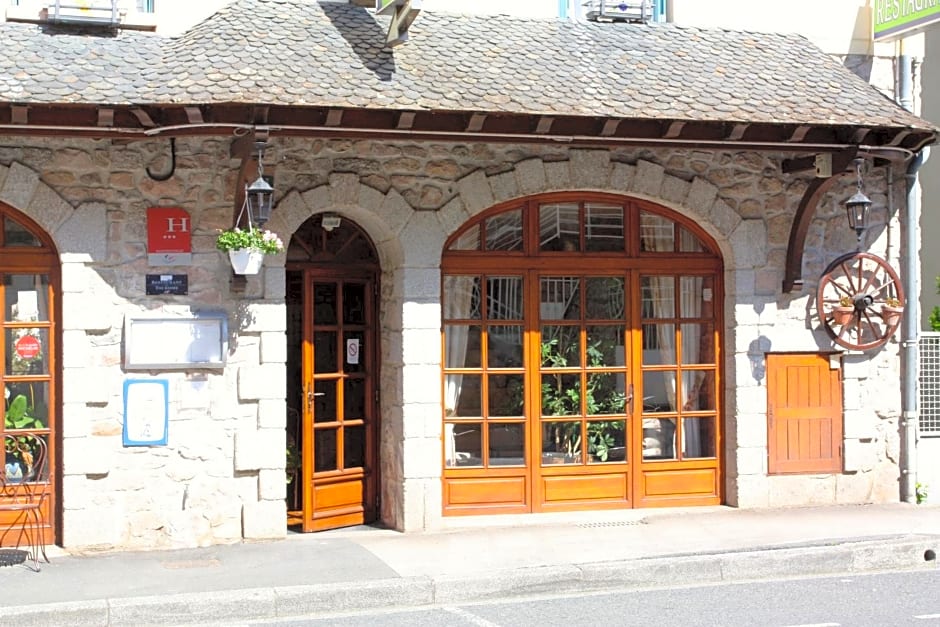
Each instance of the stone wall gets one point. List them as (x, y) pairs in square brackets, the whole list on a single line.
[(221, 476)]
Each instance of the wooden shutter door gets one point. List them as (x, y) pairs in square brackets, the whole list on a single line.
[(804, 413)]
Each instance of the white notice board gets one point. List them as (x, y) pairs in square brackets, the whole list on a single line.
[(179, 343), (146, 412)]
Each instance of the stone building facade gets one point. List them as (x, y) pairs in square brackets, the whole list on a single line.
[(221, 477)]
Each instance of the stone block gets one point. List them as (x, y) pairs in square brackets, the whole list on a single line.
[(258, 317), (622, 177), (83, 234), (423, 456), (20, 185), (649, 178), (558, 176), (85, 312), (370, 198), (76, 422), (395, 211), (264, 520), (268, 381), (272, 485), (791, 490), (274, 279), (452, 216), (748, 461), (272, 413), (88, 385), (259, 449), (724, 219), (749, 242), (87, 528), (76, 349), (504, 186), (751, 429), (590, 169), (48, 208), (421, 383), (421, 346), (701, 196), (859, 455), (530, 176), (675, 190), (319, 198), (748, 491), (344, 188), (421, 284), (475, 192), (423, 240), (273, 347)]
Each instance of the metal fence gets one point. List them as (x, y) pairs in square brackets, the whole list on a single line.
[(929, 383)]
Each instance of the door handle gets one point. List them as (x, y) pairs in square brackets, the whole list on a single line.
[(630, 400)]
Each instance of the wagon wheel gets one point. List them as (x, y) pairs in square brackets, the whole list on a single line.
[(860, 300)]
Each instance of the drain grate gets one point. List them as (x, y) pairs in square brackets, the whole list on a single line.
[(612, 523)]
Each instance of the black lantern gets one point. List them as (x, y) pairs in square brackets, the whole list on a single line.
[(259, 196), (858, 206)]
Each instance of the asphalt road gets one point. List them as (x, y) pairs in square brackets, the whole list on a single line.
[(877, 600)]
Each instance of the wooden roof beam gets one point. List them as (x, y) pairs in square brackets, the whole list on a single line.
[(194, 115), (799, 134), (475, 125), (143, 117), (19, 114), (674, 130), (406, 120), (737, 132), (544, 125), (105, 116), (334, 117)]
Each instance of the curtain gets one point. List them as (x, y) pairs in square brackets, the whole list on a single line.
[(690, 306), (459, 294)]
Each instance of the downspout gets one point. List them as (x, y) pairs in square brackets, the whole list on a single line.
[(910, 327)]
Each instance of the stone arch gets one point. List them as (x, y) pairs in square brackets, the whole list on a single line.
[(69, 227), (743, 243), (382, 216)]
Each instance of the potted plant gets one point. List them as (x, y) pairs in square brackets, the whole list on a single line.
[(845, 311), (246, 248), (891, 311), (18, 449)]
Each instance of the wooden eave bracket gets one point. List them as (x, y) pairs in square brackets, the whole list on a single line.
[(817, 188)]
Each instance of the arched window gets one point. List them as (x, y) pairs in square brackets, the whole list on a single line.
[(580, 339)]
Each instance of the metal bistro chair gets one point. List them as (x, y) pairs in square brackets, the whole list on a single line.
[(22, 490)]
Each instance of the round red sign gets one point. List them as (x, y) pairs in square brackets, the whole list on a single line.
[(27, 347)]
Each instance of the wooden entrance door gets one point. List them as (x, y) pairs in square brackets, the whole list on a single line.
[(340, 409)]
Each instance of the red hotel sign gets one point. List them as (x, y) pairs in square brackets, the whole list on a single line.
[(169, 237)]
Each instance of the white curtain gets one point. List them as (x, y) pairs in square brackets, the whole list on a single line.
[(690, 306), (458, 297)]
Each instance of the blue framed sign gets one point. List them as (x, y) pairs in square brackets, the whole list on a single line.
[(146, 412)]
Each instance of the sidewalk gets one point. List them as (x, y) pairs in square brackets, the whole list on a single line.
[(472, 559)]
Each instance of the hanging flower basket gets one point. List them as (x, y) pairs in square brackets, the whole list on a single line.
[(246, 248), (891, 315), (246, 261)]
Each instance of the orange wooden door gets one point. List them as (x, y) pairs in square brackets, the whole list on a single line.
[(804, 413), (339, 443)]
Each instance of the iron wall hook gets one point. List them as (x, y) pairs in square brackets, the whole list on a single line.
[(164, 177)]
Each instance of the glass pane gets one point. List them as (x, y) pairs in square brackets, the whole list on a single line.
[(504, 346), (561, 394), (27, 405), (324, 352), (468, 240), (606, 441), (463, 444), (15, 234), (698, 437), (26, 297), (27, 351), (604, 299), (561, 347), (560, 298), (657, 234), (558, 227), (461, 346), (354, 447), (604, 346), (355, 351), (324, 303), (324, 450), (690, 301), (698, 343), (659, 391), (22, 453), (659, 344), (354, 303), (504, 297), (605, 394), (659, 438), (504, 231), (507, 444), (506, 395), (603, 227), (354, 399), (698, 390), (561, 442), (324, 401), (463, 396), (461, 297), (658, 297), (689, 243)]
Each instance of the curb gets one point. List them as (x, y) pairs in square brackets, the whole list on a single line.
[(908, 553)]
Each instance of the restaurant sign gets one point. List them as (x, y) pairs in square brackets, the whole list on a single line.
[(899, 18)]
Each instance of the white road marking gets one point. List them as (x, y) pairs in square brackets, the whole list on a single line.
[(816, 625), (470, 617), (928, 616)]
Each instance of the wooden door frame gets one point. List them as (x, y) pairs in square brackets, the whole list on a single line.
[(313, 273)]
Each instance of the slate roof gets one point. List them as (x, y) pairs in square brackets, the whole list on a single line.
[(303, 52)]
